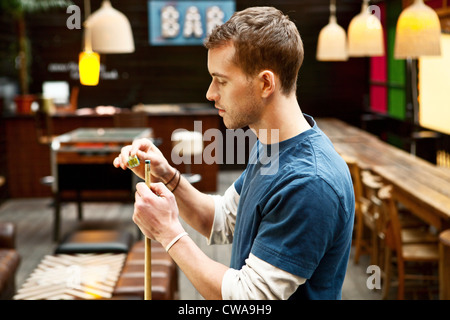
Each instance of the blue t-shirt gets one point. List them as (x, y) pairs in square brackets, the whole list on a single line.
[(296, 211)]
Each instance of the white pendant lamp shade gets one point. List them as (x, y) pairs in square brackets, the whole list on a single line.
[(418, 32), (365, 35), (332, 43), (110, 30)]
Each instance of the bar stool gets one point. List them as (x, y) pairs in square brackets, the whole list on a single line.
[(187, 145)]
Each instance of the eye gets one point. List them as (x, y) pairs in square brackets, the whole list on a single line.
[(219, 81)]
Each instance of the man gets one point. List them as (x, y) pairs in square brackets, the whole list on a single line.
[(290, 227)]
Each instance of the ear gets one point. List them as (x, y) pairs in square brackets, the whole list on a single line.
[(268, 83)]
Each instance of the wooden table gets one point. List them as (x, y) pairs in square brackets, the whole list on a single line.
[(339, 131), (421, 186)]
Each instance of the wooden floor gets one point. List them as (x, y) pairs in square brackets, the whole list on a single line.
[(34, 220)]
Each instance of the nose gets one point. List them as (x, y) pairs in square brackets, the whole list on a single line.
[(211, 94)]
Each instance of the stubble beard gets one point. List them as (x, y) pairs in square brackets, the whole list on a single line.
[(248, 113)]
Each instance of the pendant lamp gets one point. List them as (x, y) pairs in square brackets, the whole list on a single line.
[(88, 61), (110, 30), (418, 32), (365, 34), (89, 67), (332, 43)]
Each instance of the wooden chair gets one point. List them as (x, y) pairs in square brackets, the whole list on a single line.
[(371, 216), (368, 230), (44, 135), (189, 144), (43, 119), (362, 246), (406, 252), (44, 127), (444, 265)]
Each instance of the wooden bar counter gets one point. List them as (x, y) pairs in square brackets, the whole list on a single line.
[(28, 160)]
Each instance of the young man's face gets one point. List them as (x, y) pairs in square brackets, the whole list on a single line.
[(234, 94)]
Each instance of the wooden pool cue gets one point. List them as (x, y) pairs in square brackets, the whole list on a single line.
[(148, 247)]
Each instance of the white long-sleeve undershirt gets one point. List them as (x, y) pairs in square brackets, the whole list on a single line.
[(257, 279)]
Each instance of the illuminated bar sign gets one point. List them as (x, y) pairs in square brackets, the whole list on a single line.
[(185, 22)]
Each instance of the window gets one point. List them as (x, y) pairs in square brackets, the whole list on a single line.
[(434, 89)]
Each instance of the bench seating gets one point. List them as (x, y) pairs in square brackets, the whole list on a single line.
[(164, 274), (130, 284)]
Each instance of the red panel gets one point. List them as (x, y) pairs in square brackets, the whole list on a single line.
[(435, 4), (378, 74), (378, 69), (378, 98), (378, 65)]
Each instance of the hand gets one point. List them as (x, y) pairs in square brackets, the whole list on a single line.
[(156, 212), (145, 150)]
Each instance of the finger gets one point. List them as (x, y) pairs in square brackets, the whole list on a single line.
[(141, 225), (116, 162), (151, 193), (140, 145), (137, 196), (160, 189), (123, 157), (143, 190), (144, 156)]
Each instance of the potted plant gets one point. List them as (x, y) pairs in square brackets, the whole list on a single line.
[(18, 10)]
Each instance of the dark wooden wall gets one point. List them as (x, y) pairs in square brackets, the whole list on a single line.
[(179, 74)]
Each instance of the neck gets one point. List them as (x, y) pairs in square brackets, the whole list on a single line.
[(282, 119)]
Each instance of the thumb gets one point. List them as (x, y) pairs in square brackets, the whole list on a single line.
[(160, 189), (142, 155)]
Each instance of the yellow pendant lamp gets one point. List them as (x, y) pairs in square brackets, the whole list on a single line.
[(365, 34), (418, 32), (88, 61), (332, 43), (89, 67)]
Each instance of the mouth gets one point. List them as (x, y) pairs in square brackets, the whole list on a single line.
[(221, 111)]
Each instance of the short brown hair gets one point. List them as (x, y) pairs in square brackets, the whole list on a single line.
[(264, 38)]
